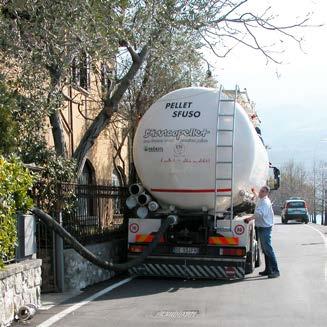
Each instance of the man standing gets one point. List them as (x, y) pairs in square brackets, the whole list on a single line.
[(264, 220)]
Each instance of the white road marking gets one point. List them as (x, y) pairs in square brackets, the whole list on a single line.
[(320, 233), (325, 242), (76, 306)]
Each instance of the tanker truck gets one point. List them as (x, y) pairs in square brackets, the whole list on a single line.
[(199, 156)]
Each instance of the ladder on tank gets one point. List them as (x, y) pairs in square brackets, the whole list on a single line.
[(225, 139)]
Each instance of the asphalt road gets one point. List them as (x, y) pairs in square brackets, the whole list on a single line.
[(297, 298)]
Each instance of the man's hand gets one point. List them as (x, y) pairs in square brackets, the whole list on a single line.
[(254, 192), (247, 220)]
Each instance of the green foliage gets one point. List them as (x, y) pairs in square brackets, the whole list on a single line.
[(46, 35), (51, 192), (39, 42), (22, 133), (22, 127), (15, 182), (8, 126), (40, 39), (31, 141)]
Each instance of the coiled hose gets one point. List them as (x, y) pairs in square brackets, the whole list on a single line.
[(88, 255)]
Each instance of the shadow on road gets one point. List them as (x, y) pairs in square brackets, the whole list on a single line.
[(255, 278), (145, 286), (290, 223)]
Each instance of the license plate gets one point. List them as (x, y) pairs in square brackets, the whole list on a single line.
[(186, 250)]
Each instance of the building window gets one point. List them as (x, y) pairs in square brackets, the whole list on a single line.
[(81, 71), (87, 175), (75, 72)]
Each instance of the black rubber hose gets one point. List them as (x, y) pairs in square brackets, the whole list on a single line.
[(88, 255)]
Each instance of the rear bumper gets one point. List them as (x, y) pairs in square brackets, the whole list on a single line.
[(187, 267), (296, 217)]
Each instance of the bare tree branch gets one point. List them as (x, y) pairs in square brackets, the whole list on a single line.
[(109, 107)]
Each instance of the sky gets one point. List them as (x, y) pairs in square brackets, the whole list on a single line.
[(291, 97)]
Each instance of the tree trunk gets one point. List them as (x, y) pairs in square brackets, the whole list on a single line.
[(58, 134), (55, 119), (88, 139)]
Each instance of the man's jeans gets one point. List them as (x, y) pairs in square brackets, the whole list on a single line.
[(264, 234)]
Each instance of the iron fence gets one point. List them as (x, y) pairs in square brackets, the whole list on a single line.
[(45, 251), (97, 213)]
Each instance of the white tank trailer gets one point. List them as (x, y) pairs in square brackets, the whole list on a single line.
[(175, 147), (198, 153)]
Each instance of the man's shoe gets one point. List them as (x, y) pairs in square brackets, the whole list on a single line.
[(274, 275), (264, 273)]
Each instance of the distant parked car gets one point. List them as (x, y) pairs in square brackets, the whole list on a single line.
[(295, 209)]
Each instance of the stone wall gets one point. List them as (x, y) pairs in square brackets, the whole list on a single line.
[(80, 273), (19, 285)]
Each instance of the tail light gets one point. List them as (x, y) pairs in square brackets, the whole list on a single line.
[(136, 248)]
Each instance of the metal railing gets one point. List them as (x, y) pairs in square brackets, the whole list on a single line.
[(98, 212)]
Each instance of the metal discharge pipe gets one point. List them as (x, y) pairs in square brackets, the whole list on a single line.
[(153, 206), (88, 255), (131, 202), (142, 212), (136, 189), (143, 199)]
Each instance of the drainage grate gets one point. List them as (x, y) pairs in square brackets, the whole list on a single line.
[(177, 314)]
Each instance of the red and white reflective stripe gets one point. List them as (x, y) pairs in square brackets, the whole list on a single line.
[(181, 190), (217, 240), (146, 238)]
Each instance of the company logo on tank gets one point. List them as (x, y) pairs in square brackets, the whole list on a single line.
[(176, 133), (185, 111)]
